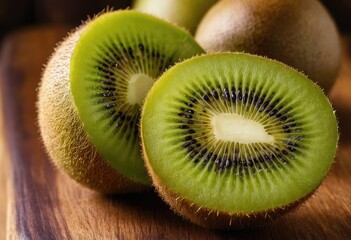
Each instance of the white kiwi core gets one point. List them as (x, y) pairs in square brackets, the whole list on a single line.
[(138, 87), (235, 128)]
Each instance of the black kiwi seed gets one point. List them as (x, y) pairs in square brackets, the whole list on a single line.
[(233, 95), (273, 112), (206, 98), (191, 131), (259, 101), (285, 152), (190, 149), (193, 100), (269, 108), (209, 155), (110, 105), (215, 94), (130, 52), (187, 138), (203, 152), (225, 94), (239, 95), (283, 118), (291, 149), (287, 130), (227, 163), (263, 106), (141, 47), (190, 105), (115, 118), (113, 111)]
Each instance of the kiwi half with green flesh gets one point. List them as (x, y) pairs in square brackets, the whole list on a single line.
[(105, 68), (62, 132), (239, 139), (185, 13), (299, 33)]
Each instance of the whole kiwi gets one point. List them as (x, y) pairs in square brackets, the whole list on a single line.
[(91, 92), (299, 33), (185, 13), (238, 141)]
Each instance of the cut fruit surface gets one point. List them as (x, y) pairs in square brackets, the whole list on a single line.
[(236, 134), (116, 60)]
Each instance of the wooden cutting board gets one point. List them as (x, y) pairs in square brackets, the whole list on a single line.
[(43, 203)]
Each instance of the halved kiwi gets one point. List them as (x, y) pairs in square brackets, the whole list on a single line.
[(239, 139), (91, 92)]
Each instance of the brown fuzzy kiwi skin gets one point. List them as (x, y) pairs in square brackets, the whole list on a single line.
[(218, 220), (62, 132), (299, 33)]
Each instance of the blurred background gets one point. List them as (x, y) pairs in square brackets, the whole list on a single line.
[(341, 11), (15, 14)]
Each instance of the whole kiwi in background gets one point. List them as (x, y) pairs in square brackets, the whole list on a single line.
[(299, 33), (185, 13)]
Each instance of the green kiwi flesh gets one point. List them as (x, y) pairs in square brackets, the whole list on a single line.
[(116, 60), (284, 146), (299, 33), (184, 13)]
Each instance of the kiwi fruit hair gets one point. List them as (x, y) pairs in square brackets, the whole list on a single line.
[(239, 141), (90, 72), (184, 13), (299, 33)]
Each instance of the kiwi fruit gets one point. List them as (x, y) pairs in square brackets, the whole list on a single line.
[(184, 13), (299, 33), (91, 91), (238, 141)]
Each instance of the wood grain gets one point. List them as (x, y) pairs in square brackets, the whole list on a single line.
[(44, 203), (3, 179)]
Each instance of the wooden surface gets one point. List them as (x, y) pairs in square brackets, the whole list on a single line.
[(3, 179), (43, 203)]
